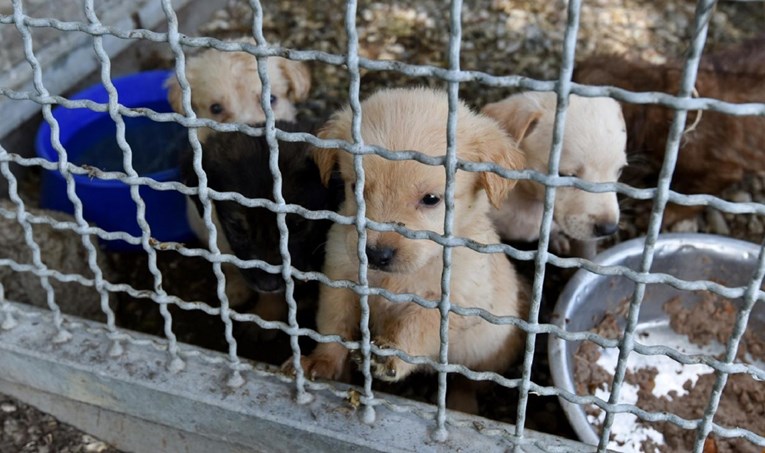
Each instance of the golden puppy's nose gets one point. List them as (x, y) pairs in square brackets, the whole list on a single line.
[(605, 229), (380, 257)]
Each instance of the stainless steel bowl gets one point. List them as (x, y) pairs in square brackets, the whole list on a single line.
[(588, 296)]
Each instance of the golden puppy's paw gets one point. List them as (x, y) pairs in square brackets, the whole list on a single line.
[(389, 368), (319, 366)]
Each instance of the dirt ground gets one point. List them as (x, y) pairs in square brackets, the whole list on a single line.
[(24, 429), (499, 37)]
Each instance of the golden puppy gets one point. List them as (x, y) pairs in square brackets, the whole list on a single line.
[(411, 194), (593, 150), (226, 87)]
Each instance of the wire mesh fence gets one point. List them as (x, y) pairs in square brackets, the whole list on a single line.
[(351, 61)]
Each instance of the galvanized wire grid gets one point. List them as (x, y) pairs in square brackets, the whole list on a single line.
[(454, 76)]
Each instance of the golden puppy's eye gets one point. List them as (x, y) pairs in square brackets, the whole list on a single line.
[(216, 109), (430, 200)]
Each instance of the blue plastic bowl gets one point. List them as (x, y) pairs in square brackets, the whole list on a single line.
[(90, 138)]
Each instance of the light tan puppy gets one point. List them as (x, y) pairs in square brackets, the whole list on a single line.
[(593, 150), (226, 87), (411, 194)]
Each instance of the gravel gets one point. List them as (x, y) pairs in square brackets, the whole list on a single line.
[(24, 429)]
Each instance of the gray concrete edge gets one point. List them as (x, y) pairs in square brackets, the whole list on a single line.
[(134, 403)]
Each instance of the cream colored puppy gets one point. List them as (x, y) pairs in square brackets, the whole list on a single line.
[(593, 150), (226, 87), (412, 194)]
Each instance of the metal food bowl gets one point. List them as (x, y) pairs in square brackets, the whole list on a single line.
[(587, 297)]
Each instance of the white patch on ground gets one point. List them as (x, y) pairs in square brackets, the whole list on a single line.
[(627, 434), (627, 431)]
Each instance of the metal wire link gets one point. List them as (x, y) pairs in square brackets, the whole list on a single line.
[(180, 72), (175, 364), (564, 88), (21, 213), (360, 219), (77, 204), (701, 21), (273, 162)]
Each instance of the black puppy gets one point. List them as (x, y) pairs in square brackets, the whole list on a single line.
[(237, 162)]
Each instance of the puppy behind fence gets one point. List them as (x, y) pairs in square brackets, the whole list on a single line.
[(411, 193)]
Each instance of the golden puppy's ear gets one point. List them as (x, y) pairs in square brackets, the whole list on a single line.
[(174, 93), (325, 159), (298, 76), (493, 145), (337, 127), (515, 117)]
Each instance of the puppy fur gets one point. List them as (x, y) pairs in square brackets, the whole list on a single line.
[(721, 148), (411, 194), (237, 162), (593, 150), (226, 87)]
